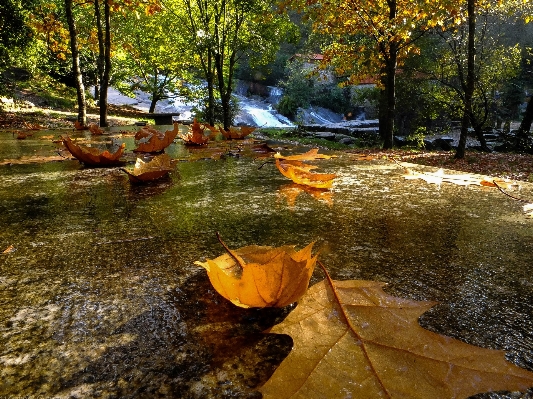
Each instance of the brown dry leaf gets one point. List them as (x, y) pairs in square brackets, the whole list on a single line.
[(24, 160), (300, 173), (364, 157), (236, 133), (9, 249), (152, 140), (195, 135), (310, 155), (360, 342), (95, 129), (260, 276), (79, 126), (503, 183), (33, 126), (160, 166), (93, 156), (22, 135)]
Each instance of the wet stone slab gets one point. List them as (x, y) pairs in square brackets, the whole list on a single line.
[(101, 297)]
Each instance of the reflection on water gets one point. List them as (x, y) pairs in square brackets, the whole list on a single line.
[(101, 297)]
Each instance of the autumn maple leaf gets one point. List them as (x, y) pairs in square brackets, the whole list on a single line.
[(160, 166), (93, 156), (195, 135), (261, 276), (236, 132), (152, 140), (351, 339)]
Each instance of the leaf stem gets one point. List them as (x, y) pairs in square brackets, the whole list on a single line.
[(351, 326), (230, 252)]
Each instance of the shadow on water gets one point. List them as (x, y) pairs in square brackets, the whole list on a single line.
[(101, 297)]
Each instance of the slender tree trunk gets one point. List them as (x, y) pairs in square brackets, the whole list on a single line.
[(104, 82), (80, 89), (210, 90), (101, 48), (525, 126), (387, 111), (470, 80)]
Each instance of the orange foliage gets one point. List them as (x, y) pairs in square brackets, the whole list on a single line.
[(259, 276), (93, 156), (300, 173), (152, 140)]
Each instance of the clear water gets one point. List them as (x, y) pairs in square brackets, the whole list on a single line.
[(102, 298)]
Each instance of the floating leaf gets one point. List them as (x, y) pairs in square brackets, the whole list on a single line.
[(357, 341), (300, 173), (310, 155), (9, 249), (236, 132), (95, 129), (195, 135), (152, 140), (79, 126), (93, 156), (160, 166), (260, 276), (292, 191), (22, 135)]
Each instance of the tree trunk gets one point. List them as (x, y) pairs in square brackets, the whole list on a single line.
[(101, 49), (387, 111), (470, 80), (525, 126), (104, 83), (80, 89), (154, 101)]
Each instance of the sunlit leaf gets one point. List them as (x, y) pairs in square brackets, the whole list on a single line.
[(9, 249), (300, 173), (357, 341), (160, 166), (260, 276), (152, 140), (236, 132), (95, 129), (195, 134), (310, 155), (93, 156)]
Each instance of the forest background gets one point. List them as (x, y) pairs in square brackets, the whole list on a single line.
[(430, 63)]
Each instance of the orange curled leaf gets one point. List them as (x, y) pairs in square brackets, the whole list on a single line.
[(79, 126), (93, 156), (310, 155), (261, 276), (235, 133), (95, 129), (300, 173), (152, 140), (160, 166), (195, 135)]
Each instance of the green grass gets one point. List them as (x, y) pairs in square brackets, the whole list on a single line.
[(53, 93), (294, 134)]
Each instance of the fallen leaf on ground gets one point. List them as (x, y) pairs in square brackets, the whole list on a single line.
[(236, 132), (310, 155), (160, 166), (24, 160), (300, 173), (261, 276), (152, 140), (93, 156), (95, 129), (357, 341), (9, 249), (22, 135), (33, 126), (79, 126), (195, 134)]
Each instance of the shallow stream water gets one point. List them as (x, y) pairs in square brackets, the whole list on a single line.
[(101, 297)]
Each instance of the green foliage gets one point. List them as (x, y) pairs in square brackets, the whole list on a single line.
[(52, 93), (302, 89), (200, 110)]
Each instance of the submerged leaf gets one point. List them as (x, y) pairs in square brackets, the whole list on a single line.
[(260, 276), (357, 341), (160, 166), (93, 156)]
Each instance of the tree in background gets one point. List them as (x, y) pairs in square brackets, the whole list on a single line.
[(221, 33), (369, 39), (153, 56), (80, 89)]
